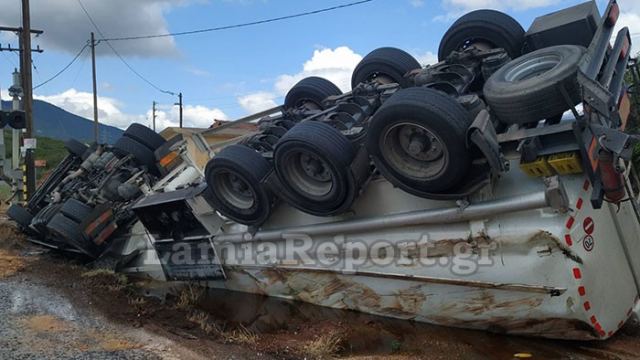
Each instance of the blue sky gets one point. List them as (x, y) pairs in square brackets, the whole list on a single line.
[(229, 73)]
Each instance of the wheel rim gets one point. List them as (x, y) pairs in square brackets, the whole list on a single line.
[(235, 190), (532, 68), (414, 151), (308, 174)]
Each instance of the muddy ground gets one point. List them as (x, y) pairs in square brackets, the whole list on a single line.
[(52, 307)]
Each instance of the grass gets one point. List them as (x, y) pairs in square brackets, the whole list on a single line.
[(240, 335), (137, 301), (202, 319), (325, 346), (108, 278), (48, 149), (189, 296)]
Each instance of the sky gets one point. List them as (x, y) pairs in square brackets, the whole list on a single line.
[(231, 73)]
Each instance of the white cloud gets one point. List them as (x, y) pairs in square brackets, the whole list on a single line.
[(67, 28), (257, 102), (427, 58), (110, 111), (335, 65), (193, 116), (416, 3), (81, 103), (197, 71), (630, 17)]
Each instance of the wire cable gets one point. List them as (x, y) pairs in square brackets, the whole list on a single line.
[(252, 23), (106, 41), (9, 59), (63, 69)]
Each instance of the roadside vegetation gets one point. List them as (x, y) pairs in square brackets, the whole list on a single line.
[(633, 126), (52, 151)]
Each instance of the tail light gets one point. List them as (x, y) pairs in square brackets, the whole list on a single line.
[(614, 14), (625, 48)]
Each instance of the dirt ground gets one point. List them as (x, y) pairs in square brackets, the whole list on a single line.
[(52, 307)]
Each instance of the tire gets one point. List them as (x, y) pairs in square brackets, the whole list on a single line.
[(238, 165), (76, 210), (75, 147), (43, 217), (517, 99), (494, 27), (20, 215), (141, 153), (434, 115), (68, 231), (390, 62), (331, 188), (144, 136), (312, 89)]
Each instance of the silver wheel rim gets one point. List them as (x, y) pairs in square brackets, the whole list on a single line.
[(234, 189), (414, 151), (308, 174), (532, 68)]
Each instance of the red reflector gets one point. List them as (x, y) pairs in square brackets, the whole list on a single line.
[(614, 13), (612, 181), (625, 48)]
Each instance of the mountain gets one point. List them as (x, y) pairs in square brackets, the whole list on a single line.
[(54, 122)]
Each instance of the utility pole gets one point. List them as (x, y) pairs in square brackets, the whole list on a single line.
[(96, 124), (27, 88), (180, 104), (153, 118), (25, 177)]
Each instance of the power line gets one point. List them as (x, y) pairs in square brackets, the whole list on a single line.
[(9, 59), (80, 69), (120, 56), (227, 27), (63, 69)]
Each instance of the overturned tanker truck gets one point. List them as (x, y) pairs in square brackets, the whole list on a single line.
[(83, 207), (475, 192)]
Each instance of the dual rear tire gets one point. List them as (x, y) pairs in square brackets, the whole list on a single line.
[(140, 142), (417, 140)]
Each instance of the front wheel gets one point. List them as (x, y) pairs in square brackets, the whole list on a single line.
[(20, 215)]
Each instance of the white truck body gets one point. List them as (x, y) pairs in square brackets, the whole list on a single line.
[(506, 262)]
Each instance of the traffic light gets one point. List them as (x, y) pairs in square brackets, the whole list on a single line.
[(16, 119)]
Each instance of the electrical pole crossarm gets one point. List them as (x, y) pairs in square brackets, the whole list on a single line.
[(19, 30)]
